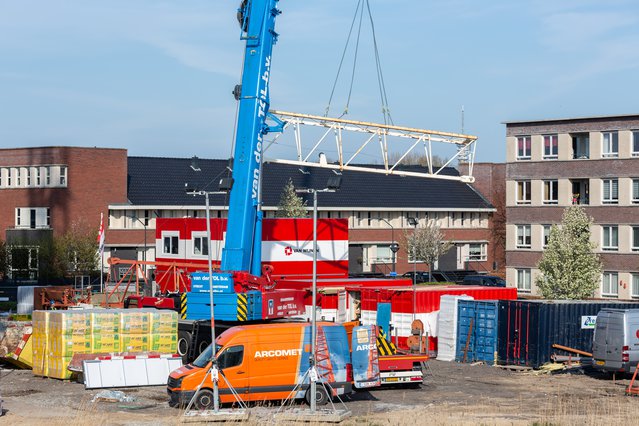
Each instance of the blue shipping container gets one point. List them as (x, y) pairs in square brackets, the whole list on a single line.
[(198, 306), (480, 342)]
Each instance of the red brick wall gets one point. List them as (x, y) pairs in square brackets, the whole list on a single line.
[(96, 178)]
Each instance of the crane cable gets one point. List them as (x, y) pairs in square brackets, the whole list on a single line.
[(380, 77)]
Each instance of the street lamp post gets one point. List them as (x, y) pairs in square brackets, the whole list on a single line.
[(216, 402), (413, 222), (334, 182), (394, 247), (144, 224)]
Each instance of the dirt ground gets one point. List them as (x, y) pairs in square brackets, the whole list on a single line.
[(454, 394)]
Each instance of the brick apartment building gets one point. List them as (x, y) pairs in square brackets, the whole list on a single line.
[(593, 162), (45, 190)]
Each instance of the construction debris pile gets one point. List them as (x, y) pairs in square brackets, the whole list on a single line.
[(58, 335)]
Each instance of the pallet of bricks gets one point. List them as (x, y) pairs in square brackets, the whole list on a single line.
[(58, 335)]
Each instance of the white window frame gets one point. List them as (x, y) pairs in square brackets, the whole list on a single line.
[(64, 181), (524, 280), (610, 242), (634, 188), (612, 185), (23, 217), (634, 237), (545, 237), (635, 143), (610, 144), (524, 189), (523, 234), (551, 192), (170, 235), (203, 238), (527, 142), (634, 285), (553, 147), (47, 174), (482, 252), (606, 280)]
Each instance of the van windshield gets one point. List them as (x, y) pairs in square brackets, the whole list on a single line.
[(205, 357)]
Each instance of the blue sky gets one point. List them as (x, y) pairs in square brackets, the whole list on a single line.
[(155, 77)]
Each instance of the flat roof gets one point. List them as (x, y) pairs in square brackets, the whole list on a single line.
[(592, 117)]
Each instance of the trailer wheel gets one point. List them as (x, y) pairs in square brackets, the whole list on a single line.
[(203, 345), (321, 395), (183, 345), (204, 400)]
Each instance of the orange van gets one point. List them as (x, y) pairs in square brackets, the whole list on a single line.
[(267, 362)]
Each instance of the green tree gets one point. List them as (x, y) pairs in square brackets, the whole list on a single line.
[(569, 267), (291, 205), (427, 244), (76, 250)]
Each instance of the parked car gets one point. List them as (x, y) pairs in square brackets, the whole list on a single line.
[(485, 280), (422, 276), (615, 346)]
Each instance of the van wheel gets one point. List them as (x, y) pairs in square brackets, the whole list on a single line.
[(183, 345), (204, 400), (321, 395)]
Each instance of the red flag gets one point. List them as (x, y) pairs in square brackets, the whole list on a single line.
[(101, 235)]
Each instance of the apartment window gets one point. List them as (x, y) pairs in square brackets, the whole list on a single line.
[(610, 144), (28, 173), (36, 173), (581, 146), (546, 236), (47, 175), (383, 254), (551, 189), (18, 177), (170, 244), (477, 251), (610, 191), (523, 236), (200, 246), (610, 238), (523, 192), (523, 280), (9, 171), (635, 143), (634, 289), (63, 176), (551, 147), (523, 148), (33, 217), (610, 284), (1, 177), (635, 238), (635, 191)]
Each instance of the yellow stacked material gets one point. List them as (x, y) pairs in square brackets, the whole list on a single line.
[(40, 321), (164, 343), (134, 342), (134, 321), (105, 343), (58, 367), (105, 331), (163, 322), (69, 333), (105, 322)]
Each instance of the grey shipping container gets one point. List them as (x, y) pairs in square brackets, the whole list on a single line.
[(25, 299), (477, 328), (528, 329)]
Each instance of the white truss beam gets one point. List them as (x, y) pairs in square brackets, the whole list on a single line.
[(384, 133)]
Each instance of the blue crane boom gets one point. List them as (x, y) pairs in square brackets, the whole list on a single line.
[(242, 251)]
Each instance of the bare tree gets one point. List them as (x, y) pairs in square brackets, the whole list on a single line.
[(427, 244), (417, 159)]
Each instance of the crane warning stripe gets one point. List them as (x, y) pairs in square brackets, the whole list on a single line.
[(183, 306), (384, 347), (242, 308)]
